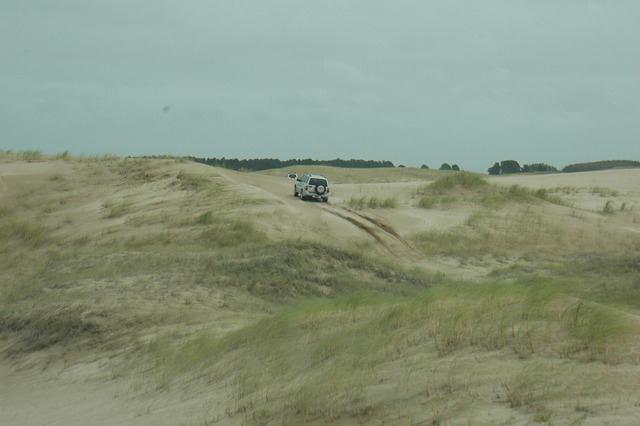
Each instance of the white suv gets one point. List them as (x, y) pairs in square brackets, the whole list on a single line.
[(312, 186)]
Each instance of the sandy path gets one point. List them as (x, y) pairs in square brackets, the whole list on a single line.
[(343, 224), (340, 223)]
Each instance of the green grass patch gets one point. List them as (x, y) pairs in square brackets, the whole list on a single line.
[(463, 180), (596, 330), (50, 325), (488, 233), (315, 363), (608, 208), (193, 182), (431, 201), (603, 191), (6, 211), (230, 233), (206, 218), (288, 270), (474, 188), (34, 234)]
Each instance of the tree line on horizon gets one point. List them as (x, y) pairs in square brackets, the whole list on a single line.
[(257, 164), (498, 168), (512, 166)]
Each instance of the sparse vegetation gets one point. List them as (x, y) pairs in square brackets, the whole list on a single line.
[(372, 202), (473, 187), (200, 288), (604, 192), (27, 231), (63, 156), (116, 209), (323, 335), (608, 208), (191, 181), (463, 180), (31, 155)]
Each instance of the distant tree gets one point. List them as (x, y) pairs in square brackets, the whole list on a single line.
[(455, 167), (445, 166), (510, 166), (600, 165), (495, 169), (401, 166), (538, 167), (274, 163), (424, 166)]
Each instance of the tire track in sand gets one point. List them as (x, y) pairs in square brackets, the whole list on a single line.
[(383, 233)]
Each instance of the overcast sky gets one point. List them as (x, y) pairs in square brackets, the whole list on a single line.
[(413, 82)]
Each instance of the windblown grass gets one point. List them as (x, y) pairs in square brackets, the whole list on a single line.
[(487, 233), (190, 181), (33, 234), (187, 295), (471, 187), (231, 233), (31, 155), (310, 362), (116, 209), (463, 180), (610, 277), (372, 202)]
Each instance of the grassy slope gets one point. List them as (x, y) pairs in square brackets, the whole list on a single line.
[(196, 301)]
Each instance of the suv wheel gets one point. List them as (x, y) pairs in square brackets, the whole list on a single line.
[(320, 189), (295, 191)]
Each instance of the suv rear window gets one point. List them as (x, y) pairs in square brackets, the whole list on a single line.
[(316, 181)]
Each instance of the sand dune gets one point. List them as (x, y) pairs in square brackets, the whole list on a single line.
[(129, 208)]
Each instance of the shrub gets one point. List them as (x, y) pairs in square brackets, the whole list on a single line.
[(465, 180)]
